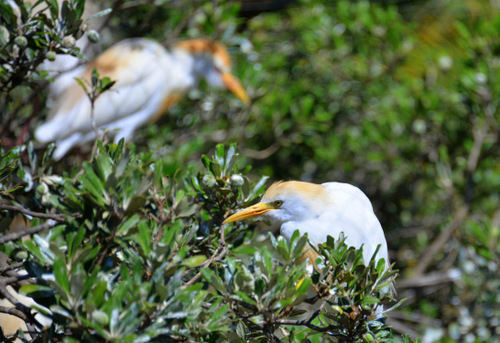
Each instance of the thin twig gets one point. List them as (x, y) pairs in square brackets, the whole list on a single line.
[(94, 127), (14, 312), (25, 309), (13, 279), (178, 29), (402, 328), (216, 256), (428, 280), (11, 267), (262, 154), (17, 235), (308, 323), (16, 208), (118, 5), (479, 133), (108, 246)]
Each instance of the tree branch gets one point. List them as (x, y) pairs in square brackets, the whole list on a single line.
[(431, 279), (479, 132), (308, 323), (14, 312), (16, 235), (11, 267), (21, 307), (16, 208), (223, 249)]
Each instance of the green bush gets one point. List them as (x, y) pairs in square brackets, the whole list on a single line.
[(137, 252)]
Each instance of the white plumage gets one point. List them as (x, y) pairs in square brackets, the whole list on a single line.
[(149, 79), (320, 211)]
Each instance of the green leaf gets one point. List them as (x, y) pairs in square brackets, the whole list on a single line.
[(243, 296), (213, 279), (260, 286), (240, 331), (231, 158), (215, 168), (47, 155), (219, 154), (83, 84), (61, 274), (144, 238), (78, 277), (26, 177), (102, 13), (94, 77), (80, 7), (75, 239), (93, 185), (206, 161), (129, 224), (104, 166), (370, 300), (67, 13), (257, 189), (54, 9), (36, 290), (32, 155), (194, 261), (303, 285)]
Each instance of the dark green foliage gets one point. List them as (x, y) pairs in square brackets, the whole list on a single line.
[(141, 256), (27, 39)]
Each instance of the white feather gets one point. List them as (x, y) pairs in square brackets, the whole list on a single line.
[(340, 208)]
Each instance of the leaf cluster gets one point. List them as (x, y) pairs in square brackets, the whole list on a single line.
[(141, 256), (30, 33)]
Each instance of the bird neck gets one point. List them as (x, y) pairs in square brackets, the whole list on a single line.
[(197, 64), (184, 63)]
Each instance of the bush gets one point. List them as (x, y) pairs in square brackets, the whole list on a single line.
[(137, 252)]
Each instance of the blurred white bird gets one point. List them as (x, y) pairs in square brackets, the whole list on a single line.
[(320, 211), (149, 79)]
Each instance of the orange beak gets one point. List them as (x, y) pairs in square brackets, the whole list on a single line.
[(249, 212), (235, 87)]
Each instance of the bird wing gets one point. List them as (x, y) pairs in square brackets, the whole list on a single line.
[(352, 213), (141, 70)]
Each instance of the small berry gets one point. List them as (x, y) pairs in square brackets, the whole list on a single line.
[(94, 36), (236, 180), (21, 41), (51, 56), (42, 188), (69, 41), (209, 181), (4, 36)]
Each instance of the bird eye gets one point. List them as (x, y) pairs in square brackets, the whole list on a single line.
[(278, 203)]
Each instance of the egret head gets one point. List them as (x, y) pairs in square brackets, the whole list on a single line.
[(213, 63), (287, 201)]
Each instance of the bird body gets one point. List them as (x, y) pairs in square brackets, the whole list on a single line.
[(149, 79), (321, 211)]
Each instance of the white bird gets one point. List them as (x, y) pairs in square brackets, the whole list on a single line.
[(320, 211), (149, 79)]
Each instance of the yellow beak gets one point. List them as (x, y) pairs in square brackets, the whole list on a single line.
[(252, 211), (235, 87)]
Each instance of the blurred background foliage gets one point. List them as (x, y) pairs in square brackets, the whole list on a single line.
[(398, 98)]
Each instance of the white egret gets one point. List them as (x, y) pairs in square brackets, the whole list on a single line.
[(320, 211), (149, 79)]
